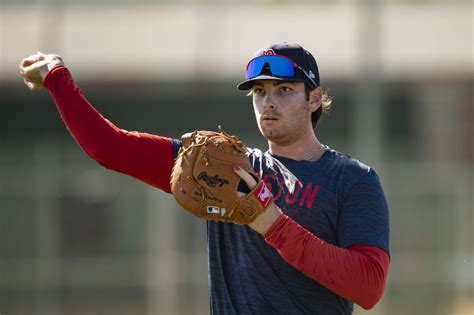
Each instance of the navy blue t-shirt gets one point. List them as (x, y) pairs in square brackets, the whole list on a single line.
[(337, 198)]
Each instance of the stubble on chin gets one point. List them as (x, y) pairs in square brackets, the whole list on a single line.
[(276, 136), (267, 133)]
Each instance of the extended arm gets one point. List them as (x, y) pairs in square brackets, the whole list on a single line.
[(143, 156)]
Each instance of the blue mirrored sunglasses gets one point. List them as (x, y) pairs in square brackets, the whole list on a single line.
[(281, 66)]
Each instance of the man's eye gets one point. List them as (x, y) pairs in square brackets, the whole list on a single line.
[(285, 89), (257, 91)]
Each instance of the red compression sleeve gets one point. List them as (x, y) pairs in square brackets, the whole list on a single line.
[(357, 273), (141, 155)]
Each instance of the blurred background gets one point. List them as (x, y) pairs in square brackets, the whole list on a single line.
[(76, 238)]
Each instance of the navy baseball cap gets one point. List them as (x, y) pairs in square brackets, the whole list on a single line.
[(282, 61)]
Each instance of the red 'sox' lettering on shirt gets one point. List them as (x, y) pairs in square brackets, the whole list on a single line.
[(304, 194), (309, 194), (291, 198)]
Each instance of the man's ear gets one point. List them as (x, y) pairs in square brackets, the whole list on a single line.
[(315, 97)]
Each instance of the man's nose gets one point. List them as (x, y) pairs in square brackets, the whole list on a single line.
[(269, 102)]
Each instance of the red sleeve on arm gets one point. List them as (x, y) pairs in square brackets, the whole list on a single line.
[(144, 156), (357, 273)]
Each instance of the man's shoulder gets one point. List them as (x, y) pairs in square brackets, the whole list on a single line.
[(347, 169), (349, 163)]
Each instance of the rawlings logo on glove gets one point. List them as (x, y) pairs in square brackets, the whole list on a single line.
[(212, 181), (203, 180)]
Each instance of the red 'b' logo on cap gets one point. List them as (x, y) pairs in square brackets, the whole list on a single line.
[(268, 52)]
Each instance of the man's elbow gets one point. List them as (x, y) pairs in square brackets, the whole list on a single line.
[(375, 287), (101, 155), (371, 299)]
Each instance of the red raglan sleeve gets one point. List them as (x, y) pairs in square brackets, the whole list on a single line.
[(146, 157), (357, 273)]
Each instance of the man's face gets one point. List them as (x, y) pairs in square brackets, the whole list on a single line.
[(282, 110)]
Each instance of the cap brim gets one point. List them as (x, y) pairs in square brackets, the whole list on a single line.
[(247, 84)]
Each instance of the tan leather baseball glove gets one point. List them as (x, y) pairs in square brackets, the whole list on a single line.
[(203, 180)]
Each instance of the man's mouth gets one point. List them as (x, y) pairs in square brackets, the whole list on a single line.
[(269, 118)]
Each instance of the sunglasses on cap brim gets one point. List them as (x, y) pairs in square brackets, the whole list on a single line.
[(279, 65)]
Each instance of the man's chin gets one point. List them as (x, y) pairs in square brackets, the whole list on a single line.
[(269, 134), (273, 136)]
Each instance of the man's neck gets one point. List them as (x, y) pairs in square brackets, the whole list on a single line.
[(307, 148)]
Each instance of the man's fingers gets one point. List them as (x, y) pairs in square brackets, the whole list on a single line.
[(28, 84), (32, 86), (26, 62), (33, 72), (30, 60), (247, 178)]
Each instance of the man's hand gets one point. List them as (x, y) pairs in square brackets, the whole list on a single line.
[(34, 69), (265, 220)]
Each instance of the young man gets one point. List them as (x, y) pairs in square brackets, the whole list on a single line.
[(322, 245)]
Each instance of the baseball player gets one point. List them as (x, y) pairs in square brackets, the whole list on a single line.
[(319, 247)]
